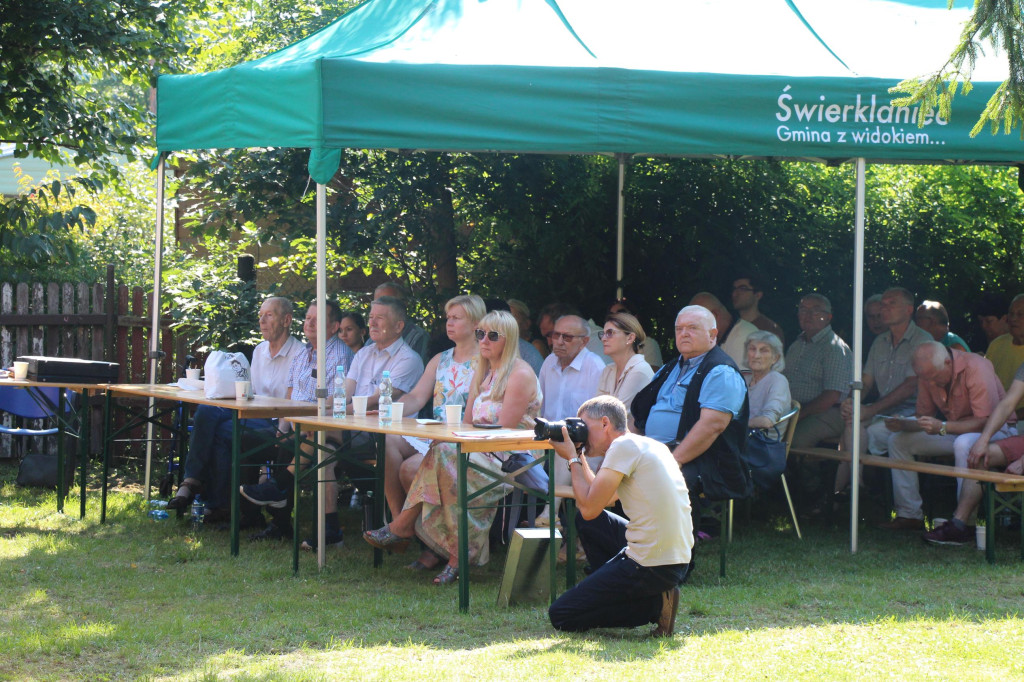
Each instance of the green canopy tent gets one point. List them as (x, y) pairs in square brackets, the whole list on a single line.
[(795, 79)]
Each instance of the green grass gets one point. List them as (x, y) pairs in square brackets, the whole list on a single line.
[(139, 599)]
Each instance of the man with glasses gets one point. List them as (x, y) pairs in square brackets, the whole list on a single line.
[(569, 376), (747, 293), (275, 493)]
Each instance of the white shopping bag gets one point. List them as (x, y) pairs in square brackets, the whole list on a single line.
[(222, 371)]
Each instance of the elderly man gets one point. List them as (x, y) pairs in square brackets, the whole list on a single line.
[(732, 334), (932, 317), (275, 493), (208, 462), (747, 292), (957, 393), (990, 451), (1007, 351), (819, 367), (638, 563), (568, 377), (412, 333), (698, 407)]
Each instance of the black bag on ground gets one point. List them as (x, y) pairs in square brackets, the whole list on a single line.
[(39, 470)]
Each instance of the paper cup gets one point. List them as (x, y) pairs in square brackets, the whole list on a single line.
[(192, 374), (938, 523), (359, 405), (453, 414), (20, 371), (396, 411), (242, 390), (979, 534)]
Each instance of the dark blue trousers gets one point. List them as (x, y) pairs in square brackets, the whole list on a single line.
[(209, 451), (620, 592)]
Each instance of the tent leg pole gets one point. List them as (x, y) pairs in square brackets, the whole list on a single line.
[(620, 227), (858, 343), (321, 369), (154, 335)]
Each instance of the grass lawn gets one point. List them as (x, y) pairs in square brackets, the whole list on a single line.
[(137, 599)]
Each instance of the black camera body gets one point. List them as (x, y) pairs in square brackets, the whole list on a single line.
[(545, 430)]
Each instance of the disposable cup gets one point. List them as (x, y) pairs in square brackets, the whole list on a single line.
[(979, 534), (359, 405), (192, 374), (453, 414), (242, 389), (938, 523), (20, 371), (396, 411)]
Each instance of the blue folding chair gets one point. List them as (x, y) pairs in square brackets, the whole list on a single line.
[(21, 403)]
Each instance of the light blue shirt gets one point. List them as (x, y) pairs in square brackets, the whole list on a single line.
[(723, 390)]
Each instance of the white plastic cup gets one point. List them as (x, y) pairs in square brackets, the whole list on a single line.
[(453, 414), (21, 371), (192, 374), (242, 390), (938, 523), (396, 412), (359, 405), (979, 534)]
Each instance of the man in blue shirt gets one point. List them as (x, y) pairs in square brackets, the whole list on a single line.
[(698, 407)]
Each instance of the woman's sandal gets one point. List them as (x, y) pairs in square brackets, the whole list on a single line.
[(446, 577), (383, 538)]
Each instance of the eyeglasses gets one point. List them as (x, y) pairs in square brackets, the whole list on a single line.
[(492, 336), (609, 333), (568, 338)]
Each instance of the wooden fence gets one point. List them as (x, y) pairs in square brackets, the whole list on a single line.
[(88, 321)]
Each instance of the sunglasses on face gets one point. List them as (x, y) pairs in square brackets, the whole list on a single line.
[(568, 338), (608, 333), (491, 336)]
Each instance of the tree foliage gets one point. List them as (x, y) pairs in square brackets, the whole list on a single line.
[(1000, 24)]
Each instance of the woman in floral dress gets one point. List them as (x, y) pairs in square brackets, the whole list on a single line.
[(447, 378), (504, 391)]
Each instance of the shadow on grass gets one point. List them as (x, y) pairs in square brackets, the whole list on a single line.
[(148, 599)]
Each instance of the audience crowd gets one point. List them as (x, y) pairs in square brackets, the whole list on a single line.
[(924, 395)]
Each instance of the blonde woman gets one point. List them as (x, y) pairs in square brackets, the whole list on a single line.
[(504, 391), (446, 379)]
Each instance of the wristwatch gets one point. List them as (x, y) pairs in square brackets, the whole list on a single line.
[(574, 460), (942, 429)]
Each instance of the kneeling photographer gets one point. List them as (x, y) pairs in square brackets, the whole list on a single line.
[(637, 563)]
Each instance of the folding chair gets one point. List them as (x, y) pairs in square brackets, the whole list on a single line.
[(22, 404)]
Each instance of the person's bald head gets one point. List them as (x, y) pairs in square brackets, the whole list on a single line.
[(569, 337)]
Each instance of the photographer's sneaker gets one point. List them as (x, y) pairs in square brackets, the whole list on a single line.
[(265, 494), (949, 534)]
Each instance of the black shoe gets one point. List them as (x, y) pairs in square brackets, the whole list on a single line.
[(266, 494), (272, 532), (180, 502)]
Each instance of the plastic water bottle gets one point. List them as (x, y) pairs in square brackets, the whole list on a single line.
[(198, 513), (158, 504), (268, 472), (158, 514), (339, 393), (354, 502), (384, 404)]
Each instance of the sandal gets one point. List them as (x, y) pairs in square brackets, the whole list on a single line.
[(446, 577), (383, 538)]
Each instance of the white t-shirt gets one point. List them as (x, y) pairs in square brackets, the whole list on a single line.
[(654, 497), (565, 389)]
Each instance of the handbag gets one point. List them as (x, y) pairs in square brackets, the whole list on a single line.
[(222, 370), (39, 470), (765, 455)]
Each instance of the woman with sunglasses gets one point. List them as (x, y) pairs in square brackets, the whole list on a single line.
[(623, 338), (504, 391), (447, 379), (651, 350)]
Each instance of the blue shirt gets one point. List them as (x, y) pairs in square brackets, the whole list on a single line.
[(723, 390)]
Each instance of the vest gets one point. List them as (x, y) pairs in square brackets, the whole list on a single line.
[(721, 469)]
